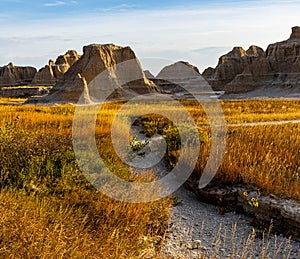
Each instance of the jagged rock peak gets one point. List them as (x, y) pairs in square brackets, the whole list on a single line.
[(72, 53), (295, 33), (10, 65), (54, 71), (254, 51), (69, 58), (232, 64), (237, 52)]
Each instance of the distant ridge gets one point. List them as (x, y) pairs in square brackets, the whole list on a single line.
[(239, 71)]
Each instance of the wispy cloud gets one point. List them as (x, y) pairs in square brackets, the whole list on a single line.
[(121, 7), (57, 3), (198, 34)]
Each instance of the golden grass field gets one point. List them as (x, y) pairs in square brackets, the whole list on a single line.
[(266, 157), (49, 210)]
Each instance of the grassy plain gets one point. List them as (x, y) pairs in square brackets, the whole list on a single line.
[(49, 210), (266, 157)]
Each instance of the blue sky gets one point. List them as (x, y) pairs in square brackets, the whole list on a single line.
[(160, 32)]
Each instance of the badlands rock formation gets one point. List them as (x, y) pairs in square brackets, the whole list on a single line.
[(45, 75), (50, 74), (254, 70), (179, 69), (12, 75), (231, 65), (149, 75), (98, 72), (242, 71), (64, 62), (279, 68), (284, 57), (175, 77)]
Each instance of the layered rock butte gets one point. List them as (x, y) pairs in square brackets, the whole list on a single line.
[(54, 71), (242, 71), (12, 75), (101, 60)]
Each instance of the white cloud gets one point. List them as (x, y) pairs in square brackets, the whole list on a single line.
[(172, 34), (121, 7), (57, 3)]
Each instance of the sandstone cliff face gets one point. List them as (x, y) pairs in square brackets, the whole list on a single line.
[(95, 60), (231, 65), (278, 68), (54, 71), (242, 71), (45, 75), (64, 62), (284, 57), (11, 75)]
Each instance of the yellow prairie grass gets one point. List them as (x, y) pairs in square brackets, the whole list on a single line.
[(49, 210)]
